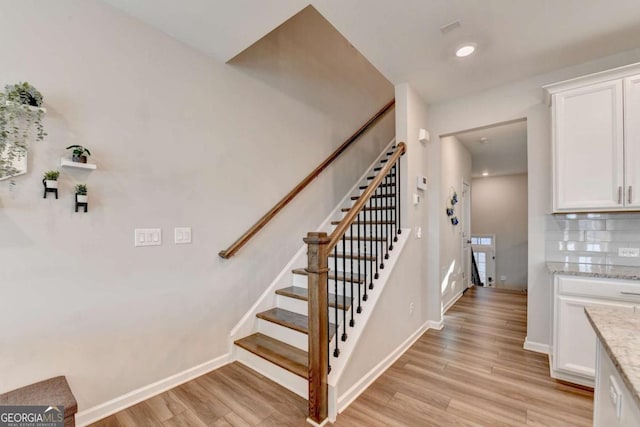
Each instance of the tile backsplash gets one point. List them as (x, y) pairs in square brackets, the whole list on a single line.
[(592, 238)]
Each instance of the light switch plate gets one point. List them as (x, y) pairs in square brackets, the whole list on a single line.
[(182, 235), (147, 237)]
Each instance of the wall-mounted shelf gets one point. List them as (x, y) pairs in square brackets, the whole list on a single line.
[(32, 108), (68, 163)]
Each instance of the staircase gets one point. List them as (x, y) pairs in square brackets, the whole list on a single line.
[(280, 342)]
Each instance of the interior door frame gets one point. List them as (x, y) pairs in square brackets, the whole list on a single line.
[(465, 233)]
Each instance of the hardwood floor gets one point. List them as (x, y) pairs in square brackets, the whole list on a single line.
[(473, 372)]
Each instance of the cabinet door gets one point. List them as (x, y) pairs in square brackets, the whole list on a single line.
[(632, 141), (575, 340), (588, 148)]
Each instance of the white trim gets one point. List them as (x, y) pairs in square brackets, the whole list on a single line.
[(435, 324), (315, 424), (452, 301), (536, 346), (356, 390), (338, 366), (103, 410)]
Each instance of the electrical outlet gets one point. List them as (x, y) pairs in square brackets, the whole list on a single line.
[(629, 252), (411, 308), (418, 232)]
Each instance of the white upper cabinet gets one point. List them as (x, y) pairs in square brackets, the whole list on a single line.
[(596, 142), (632, 140), (588, 147)]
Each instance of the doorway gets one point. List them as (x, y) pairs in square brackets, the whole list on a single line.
[(496, 213)]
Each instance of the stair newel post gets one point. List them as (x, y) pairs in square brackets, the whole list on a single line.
[(317, 270)]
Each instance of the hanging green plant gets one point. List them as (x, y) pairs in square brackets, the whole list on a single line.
[(20, 112)]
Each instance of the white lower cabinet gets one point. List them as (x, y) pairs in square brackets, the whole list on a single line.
[(614, 406), (574, 341)]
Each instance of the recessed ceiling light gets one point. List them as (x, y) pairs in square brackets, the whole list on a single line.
[(483, 139), (466, 50), (485, 173)]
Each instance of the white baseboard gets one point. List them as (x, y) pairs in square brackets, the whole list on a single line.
[(103, 410), (350, 395), (437, 325), (536, 346)]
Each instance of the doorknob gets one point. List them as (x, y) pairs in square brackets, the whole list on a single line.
[(468, 241)]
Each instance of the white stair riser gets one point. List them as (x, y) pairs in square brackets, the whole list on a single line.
[(347, 265), (284, 334), (296, 384), (302, 307), (368, 231), (300, 280)]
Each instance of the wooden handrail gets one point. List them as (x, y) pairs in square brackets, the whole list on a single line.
[(350, 217), (235, 247)]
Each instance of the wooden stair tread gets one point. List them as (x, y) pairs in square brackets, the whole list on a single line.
[(366, 222), (303, 294), (373, 176), (354, 256), (376, 196), (366, 238), (341, 276), (379, 208), (277, 352), (364, 187), (289, 319)]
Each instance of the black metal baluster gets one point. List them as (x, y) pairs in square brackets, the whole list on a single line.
[(399, 197), (351, 322), (374, 227), (336, 352), (344, 285), (328, 324), (395, 202), (379, 196), (392, 211), (385, 226), (368, 234), (365, 264)]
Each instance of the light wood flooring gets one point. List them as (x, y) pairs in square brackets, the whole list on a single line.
[(473, 372)]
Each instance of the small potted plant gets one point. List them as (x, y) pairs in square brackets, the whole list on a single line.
[(81, 193), (51, 179), (79, 153)]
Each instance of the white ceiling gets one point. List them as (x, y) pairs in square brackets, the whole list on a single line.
[(516, 39), (503, 153)]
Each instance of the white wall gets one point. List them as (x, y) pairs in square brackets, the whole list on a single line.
[(180, 140), (499, 206), (515, 101), (392, 323), (455, 168)]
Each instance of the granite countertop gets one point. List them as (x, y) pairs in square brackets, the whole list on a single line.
[(619, 332), (595, 270)]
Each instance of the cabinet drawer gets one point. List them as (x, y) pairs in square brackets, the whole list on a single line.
[(627, 290)]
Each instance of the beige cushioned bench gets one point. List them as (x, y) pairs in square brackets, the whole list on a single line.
[(54, 392)]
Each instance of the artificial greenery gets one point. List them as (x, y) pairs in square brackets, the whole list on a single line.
[(79, 150), (19, 112), (51, 175), (81, 189)]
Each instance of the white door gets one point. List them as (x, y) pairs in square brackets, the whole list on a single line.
[(466, 234), (484, 251), (632, 141), (588, 148)]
